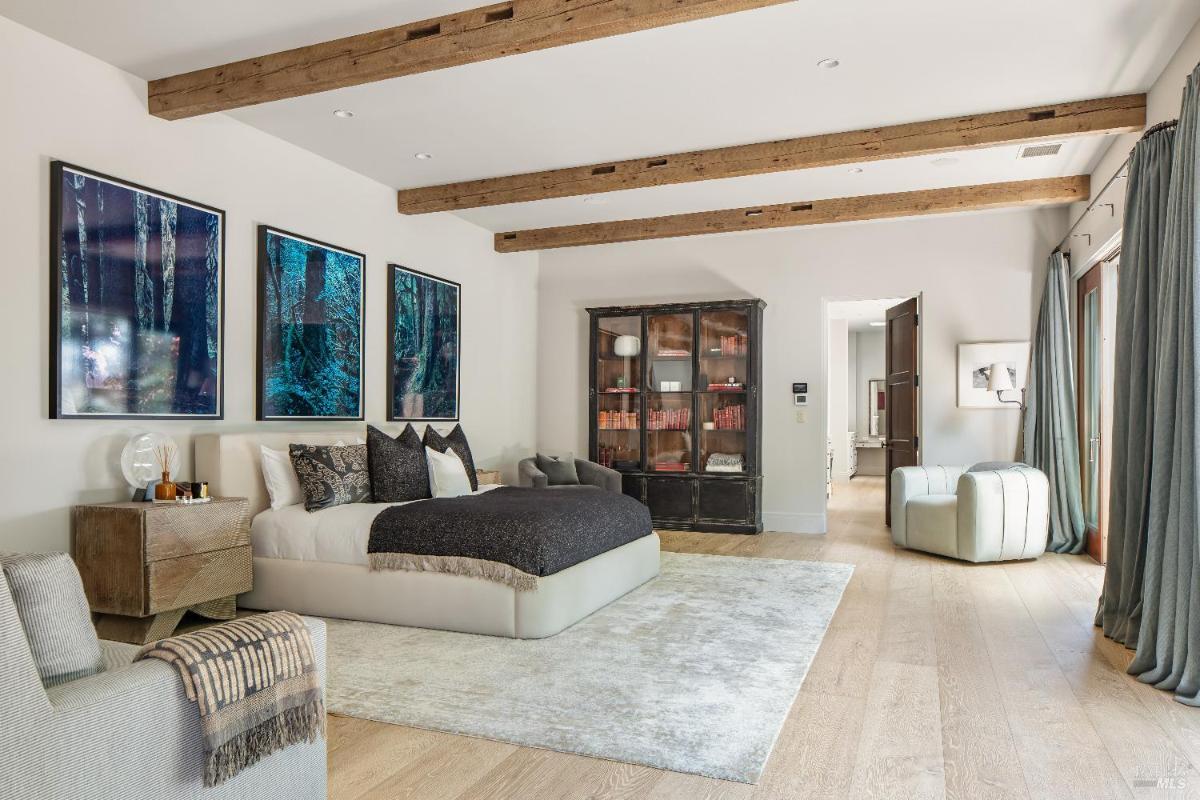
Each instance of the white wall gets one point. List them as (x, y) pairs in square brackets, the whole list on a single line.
[(838, 368), (870, 366), (978, 272), (62, 104), (1162, 103)]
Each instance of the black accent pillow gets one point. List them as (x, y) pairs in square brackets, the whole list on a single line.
[(331, 476), (456, 441), (559, 471), (399, 472)]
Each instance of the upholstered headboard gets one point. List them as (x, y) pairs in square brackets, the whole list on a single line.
[(232, 465)]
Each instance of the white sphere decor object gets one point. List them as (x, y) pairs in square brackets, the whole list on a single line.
[(627, 346), (139, 459)]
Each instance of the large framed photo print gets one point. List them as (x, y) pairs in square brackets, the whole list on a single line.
[(136, 300), (310, 328), (423, 346)]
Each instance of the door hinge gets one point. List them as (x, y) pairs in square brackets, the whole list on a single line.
[(916, 443), (916, 320), (916, 381)]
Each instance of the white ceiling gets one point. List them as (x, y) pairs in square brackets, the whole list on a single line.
[(741, 78), (859, 314)]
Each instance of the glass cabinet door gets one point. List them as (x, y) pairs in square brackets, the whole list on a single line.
[(724, 364), (669, 353), (618, 392)]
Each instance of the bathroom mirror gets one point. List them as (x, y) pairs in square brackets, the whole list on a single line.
[(877, 407)]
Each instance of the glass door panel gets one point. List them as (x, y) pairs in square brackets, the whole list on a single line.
[(723, 432), (1091, 399), (1089, 324), (669, 352), (669, 432), (724, 345), (618, 355), (619, 431)]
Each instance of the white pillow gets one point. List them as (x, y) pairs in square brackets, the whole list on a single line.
[(283, 485), (447, 475)]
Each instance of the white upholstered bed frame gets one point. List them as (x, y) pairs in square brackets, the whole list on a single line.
[(231, 465)]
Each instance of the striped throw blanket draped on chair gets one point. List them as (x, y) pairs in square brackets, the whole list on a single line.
[(256, 683)]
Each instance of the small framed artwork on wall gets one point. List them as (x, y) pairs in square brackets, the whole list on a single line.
[(310, 328), (137, 281), (975, 362), (424, 335)]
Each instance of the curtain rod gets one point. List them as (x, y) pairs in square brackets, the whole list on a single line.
[(1153, 129)]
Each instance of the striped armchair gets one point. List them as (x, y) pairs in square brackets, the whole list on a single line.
[(994, 511), (127, 731)]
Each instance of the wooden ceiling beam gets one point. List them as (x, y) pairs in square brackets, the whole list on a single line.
[(479, 34), (1043, 191), (1059, 120)]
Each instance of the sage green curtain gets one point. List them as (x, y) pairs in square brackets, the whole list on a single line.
[(1120, 611), (1168, 650), (1050, 433)]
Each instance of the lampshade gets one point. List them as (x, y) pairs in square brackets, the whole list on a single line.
[(998, 379), (627, 346)]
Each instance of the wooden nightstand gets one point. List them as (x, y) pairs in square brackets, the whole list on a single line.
[(144, 564), (487, 476)]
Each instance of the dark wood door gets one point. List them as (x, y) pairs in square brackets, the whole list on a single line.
[(1090, 382), (901, 341)]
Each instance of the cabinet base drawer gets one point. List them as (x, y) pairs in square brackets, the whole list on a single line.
[(181, 582)]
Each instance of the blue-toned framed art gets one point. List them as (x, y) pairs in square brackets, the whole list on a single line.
[(136, 300), (310, 328), (424, 337)]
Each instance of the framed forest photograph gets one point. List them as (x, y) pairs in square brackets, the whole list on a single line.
[(423, 346), (310, 328), (136, 300)]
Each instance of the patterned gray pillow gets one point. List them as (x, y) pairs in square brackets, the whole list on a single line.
[(331, 476), (456, 441), (398, 469), (53, 609)]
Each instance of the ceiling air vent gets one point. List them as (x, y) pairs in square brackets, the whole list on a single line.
[(1039, 150)]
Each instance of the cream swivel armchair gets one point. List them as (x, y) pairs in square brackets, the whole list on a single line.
[(990, 512)]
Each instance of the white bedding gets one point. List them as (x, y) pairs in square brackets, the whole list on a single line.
[(335, 535)]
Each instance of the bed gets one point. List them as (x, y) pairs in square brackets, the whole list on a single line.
[(316, 564)]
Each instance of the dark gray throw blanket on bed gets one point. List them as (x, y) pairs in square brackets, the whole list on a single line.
[(513, 535)]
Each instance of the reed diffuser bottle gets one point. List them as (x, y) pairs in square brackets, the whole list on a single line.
[(166, 490)]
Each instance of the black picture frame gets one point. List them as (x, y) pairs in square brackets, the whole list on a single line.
[(261, 318), (390, 374), (57, 168)]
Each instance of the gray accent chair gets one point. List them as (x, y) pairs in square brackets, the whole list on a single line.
[(124, 733), (590, 474)]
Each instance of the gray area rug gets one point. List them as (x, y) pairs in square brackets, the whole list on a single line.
[(693, 672)]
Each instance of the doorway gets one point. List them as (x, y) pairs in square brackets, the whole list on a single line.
[(1095, 325), (860, 420)]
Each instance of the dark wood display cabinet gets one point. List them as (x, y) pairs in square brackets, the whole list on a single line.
[(675, 406)]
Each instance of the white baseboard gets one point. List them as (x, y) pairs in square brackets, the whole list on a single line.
[(790, 522)]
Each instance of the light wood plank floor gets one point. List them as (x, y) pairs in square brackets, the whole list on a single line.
[(936, 679)]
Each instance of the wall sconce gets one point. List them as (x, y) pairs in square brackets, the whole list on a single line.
[(999, 381)]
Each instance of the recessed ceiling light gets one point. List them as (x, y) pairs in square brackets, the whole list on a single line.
[(856, 170), (422, 156), (944, 161), (878, 324), (342, 113), (829, 63)]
